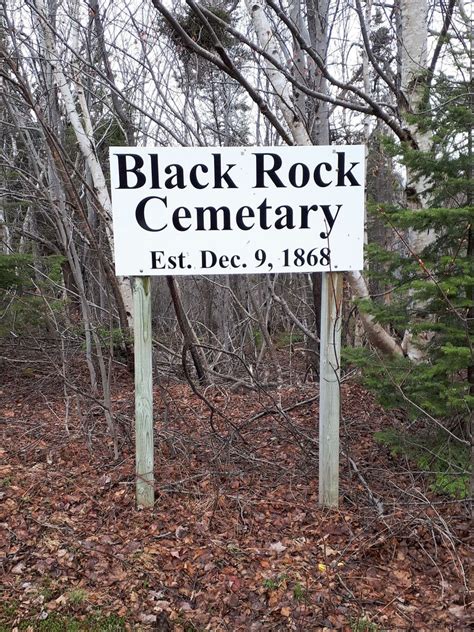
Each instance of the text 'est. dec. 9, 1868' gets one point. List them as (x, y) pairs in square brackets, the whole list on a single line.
[(231, 210)]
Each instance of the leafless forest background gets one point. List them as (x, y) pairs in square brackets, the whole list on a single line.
[(236, 541)]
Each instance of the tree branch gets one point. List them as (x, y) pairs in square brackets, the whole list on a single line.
[(229, 70)]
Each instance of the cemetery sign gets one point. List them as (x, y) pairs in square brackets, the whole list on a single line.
[(231, 210)]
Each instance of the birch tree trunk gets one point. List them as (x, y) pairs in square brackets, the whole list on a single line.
[(413, 40), (278, 81), (4, 233), (84, 139)]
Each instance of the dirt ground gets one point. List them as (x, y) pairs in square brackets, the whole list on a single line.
[(236, 540)]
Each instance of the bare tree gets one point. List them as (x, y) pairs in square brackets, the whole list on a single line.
[(194, 73), (307, 31)]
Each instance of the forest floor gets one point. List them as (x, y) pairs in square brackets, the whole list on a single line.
[(236, 540)]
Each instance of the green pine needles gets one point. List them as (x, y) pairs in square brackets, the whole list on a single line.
[(430, 293)]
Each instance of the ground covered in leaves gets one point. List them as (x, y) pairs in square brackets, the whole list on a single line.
[(236, 540)]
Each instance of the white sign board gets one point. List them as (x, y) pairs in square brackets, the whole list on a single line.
[(231, 210)]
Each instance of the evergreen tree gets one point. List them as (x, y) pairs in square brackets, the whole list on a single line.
[(432, 290)]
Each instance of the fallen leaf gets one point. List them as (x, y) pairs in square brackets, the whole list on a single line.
[(403, 577), (330, 551), (18, 568), (278, 547), (457, 611)]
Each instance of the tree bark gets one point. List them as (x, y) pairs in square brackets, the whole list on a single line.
[(190, 338)]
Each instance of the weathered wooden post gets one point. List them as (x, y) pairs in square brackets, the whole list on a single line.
[(329, 388), (145, 488)]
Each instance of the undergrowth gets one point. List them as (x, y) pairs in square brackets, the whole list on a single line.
[(445, 461)]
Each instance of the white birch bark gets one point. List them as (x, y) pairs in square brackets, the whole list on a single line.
[(4, 234), (414, 62), (280, 84), (376, 333), (299, 61), (414, 37), (4, 230), (85, 142)]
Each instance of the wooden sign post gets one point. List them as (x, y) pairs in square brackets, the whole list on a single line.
[(144, 447), (329, 387), (238, 210)]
